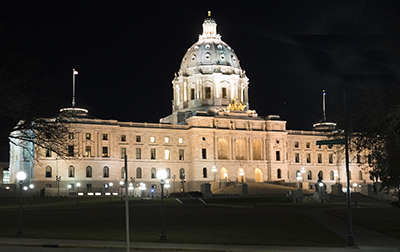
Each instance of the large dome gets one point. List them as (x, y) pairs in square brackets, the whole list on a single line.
[(208, 51)]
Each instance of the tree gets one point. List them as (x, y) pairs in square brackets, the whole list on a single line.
[(29, 99), (377, 119)]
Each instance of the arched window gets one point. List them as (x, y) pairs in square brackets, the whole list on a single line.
[(182, 173), (309, 175), (123, 173), (360, 176), (106, 172), (320, 175), (222, 149), (88, 172), (256, 150), (279, 173), (153, 173), (258, 175), (204, 172), (71, 171), (138, 172), (48, 172), (332, 175), (240, 150), (224, 173), (168, 173), (241, 177)]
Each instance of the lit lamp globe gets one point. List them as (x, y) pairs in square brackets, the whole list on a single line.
[(321, 184), (25, 188), (31, 186), (21, 176), (162, 174), (78, 184)]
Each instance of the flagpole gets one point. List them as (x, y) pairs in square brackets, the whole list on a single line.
[(73, 87)]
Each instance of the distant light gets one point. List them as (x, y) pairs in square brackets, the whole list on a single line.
[(25, 188), (115, 193), (162, 174), (69, 186), (321, 184), (121, 182), (78, 184), (355, 185), (97, 194), (31, 186), (107, 193), (90, 194), (80, 194), (111, 184)]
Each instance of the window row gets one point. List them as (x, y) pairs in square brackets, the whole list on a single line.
[(320, 175), (308, 158)]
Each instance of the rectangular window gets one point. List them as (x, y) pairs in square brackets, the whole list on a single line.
[(71, 135), (166, 154), (123, 138), (152, 153), (105, 151), (166, 139), (208, 92), (105, 137), (308, 145), (224, 95), (192, 94), (331, 158), (296, 144), (123, 153), (358, 159), (88, 151), (181, 154), (319, 158), (48, 153), (89, 186), (308, 158), (278, 155), (152, 139), (180, 140), (138, 153), (297, 157), (138, 139), (88, 136), (204, 153), (70, 150)]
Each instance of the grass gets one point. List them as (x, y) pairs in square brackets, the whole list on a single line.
[(259, 221)]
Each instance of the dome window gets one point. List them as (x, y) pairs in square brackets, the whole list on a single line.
[(207, 56), (222, 56), (208, 46), (193, 56), (233, 58), (219, 46)]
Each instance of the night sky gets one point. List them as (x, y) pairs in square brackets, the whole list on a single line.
[(126, 52)]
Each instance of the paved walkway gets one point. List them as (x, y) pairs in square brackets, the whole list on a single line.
[(365, 239)]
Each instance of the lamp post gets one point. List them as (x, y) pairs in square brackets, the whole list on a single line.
[(162, 175), (58, 179), (214, 170), (167, 185), (31, 186), (25, 189), (130, 189), (120, 186), (77, 195), (21, 176), (142, 187), (355, 190), (111, 185), (174, 177), (69, 193), (321, 186)]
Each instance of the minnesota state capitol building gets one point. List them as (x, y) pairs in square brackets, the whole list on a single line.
[(211, 137)]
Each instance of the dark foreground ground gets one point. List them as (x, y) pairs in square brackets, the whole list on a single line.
[(250, 221)]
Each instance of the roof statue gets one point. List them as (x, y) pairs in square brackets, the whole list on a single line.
[(236, 106)]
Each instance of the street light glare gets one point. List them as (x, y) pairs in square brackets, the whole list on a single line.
[(162, 174), (21, 175), (78, 184)]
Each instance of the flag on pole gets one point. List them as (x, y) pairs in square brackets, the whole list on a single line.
[(75, 72)]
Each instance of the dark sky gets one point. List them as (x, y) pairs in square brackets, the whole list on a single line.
[(127, 52)]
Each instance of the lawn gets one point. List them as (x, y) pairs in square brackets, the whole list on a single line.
[(253, 221)]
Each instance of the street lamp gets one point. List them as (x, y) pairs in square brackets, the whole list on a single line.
[(162, 175), (21, 176), (142, 187), (355, 190), (174, 177), (25, 189), (321, 186), (69, 193), (167, 185), (120, 186), (31, 186), (58, 179), (130, 189), (111, 184), (214, 170), (77, 195)]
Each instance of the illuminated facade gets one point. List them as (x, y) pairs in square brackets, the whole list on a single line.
[(211, 137)]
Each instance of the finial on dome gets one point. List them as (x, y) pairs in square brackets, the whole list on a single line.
[(209, 13)]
